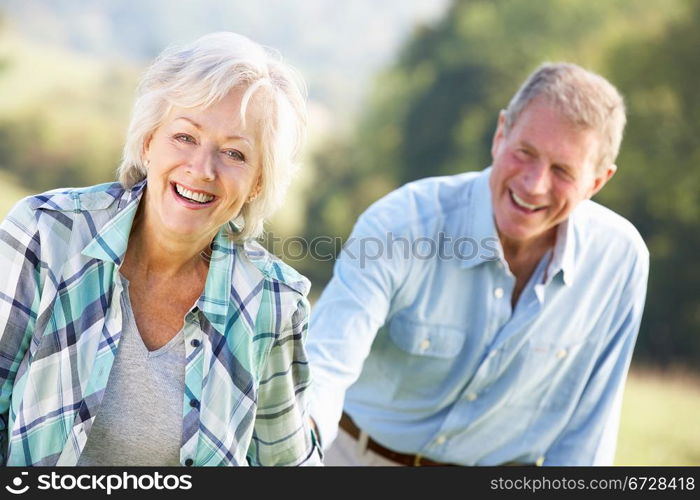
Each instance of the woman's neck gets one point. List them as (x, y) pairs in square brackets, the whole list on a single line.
[(153, 255)]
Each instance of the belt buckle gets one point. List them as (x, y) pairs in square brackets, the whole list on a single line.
[(416, 460)]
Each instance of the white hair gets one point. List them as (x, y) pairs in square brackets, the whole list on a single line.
[(201, 74), (588, 100)]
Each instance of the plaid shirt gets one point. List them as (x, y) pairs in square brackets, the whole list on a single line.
[(60, 324)]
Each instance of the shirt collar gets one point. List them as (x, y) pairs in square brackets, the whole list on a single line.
[(232, 281), (563, 252), (480, 227), (109, 244), (481, 238)]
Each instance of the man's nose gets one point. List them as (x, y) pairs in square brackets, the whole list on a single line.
[(536, 179)]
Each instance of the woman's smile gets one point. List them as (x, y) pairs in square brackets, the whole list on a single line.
[(190, 198)]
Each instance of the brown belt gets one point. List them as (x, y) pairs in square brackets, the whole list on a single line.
[(349, 426)]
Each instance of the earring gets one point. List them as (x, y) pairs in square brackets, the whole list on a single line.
[(146, 163)]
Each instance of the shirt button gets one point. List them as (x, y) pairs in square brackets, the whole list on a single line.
[(195, 343), (561, 353), (424, 345), (194, 403), (498, 293), (440, 439), (540, 461), (471, 396), (189, 462)]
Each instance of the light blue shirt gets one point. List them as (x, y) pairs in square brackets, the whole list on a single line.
[(417, 325)]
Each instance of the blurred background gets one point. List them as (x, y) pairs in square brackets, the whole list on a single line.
[(399, 90)]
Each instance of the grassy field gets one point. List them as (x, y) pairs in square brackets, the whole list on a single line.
[(660, 420)]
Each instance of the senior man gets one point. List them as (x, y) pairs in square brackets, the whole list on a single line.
[(489, 318)]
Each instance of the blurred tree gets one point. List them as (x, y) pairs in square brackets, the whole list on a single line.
[(62, 116), (658, 185), (434, 112)]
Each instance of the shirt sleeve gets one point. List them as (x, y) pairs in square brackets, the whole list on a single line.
[(19, 301), (353, 306), (590, 436), (282, 432)]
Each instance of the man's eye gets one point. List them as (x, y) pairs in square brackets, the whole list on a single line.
[(562, 171), (234, 155), (523, 153), (185, 138)]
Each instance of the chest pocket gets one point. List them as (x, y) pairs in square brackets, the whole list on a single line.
[(429, 353), (421, 339), (552, 374)]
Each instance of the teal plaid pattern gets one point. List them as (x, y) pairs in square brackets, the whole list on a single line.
[(246, 376)]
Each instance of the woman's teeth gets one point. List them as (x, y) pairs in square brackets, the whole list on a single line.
[(191, 195)]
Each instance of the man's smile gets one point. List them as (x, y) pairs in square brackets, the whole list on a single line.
[(520, 203)]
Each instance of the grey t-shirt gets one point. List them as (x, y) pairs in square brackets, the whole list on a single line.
[(139, 422)]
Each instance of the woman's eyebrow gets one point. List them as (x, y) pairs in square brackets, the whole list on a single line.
[(199, 127)]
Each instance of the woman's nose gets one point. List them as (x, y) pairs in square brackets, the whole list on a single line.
[(202, 165)]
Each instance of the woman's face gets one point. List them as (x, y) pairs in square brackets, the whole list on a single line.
[(203, 165)]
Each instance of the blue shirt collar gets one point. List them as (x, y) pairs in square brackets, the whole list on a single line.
[(563, 253), (231, 282), (480, 225)]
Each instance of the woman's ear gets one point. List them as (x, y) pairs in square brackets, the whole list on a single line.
[(255, 192), (144, 150)]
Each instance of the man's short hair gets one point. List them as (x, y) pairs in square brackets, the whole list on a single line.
[(588, 100)]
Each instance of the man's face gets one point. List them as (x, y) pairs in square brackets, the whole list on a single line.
[(543, 167)]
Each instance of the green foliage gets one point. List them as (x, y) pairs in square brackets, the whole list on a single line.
[(11, 193), (63, 117), (658, 185), (434, 112)]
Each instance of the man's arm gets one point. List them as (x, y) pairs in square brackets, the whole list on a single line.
[(351, 309), (590, 437)]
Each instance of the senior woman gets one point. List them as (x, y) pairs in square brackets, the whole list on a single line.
[(140, 323)]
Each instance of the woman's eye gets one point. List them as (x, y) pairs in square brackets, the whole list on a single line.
[(185, 138), (234, 154)]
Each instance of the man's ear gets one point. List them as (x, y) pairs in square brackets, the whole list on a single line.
[(499, 135), (601, 179)]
